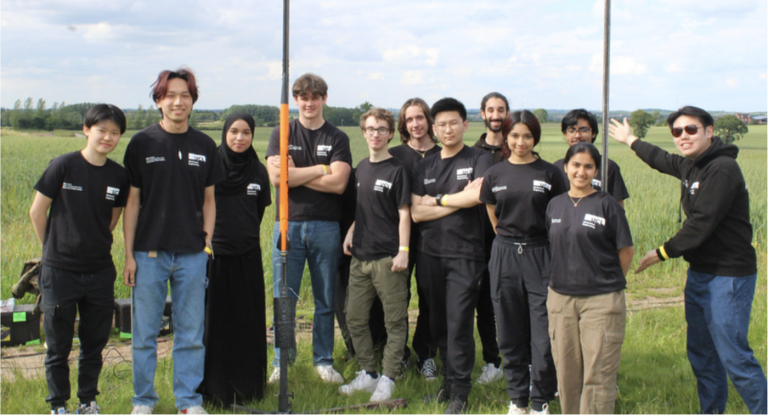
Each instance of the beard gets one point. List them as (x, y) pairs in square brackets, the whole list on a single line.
[(489, 127)]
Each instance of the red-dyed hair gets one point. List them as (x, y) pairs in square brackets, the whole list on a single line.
[(160, 86)]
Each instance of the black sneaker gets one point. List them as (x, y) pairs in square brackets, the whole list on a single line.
[(456, 407), (429, 370)]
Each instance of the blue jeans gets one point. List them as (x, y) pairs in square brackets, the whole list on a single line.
[(186, 272), (319, 243), (717, 310)]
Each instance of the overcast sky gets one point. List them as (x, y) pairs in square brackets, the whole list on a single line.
[(545, 53)]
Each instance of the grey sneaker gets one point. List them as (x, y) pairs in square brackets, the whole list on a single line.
[(88, 409), (490, 374), (429, 370), (141, 410), (363, 382)]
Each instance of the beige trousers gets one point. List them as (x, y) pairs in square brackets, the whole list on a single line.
[(586, 334)]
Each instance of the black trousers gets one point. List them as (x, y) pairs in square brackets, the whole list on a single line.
[(452, 287), (486, 322), (423, 344), (519, 278), (64, 294)]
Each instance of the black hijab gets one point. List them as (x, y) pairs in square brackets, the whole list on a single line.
[(240, 167)]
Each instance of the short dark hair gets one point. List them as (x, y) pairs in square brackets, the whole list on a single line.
[(449, 104), (401, 122), (704, 117), (160, 86), (583, 147), (526, 117), (309, 84), (102, 112), (493, 95), (573, 117), (379, 114)]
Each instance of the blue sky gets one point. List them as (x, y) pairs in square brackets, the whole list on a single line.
[(664, 54)]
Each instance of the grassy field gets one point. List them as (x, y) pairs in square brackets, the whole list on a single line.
[(655, 376)]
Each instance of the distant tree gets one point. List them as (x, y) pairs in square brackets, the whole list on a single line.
[(340, 116), (730, 128), (541, 114), (641, 122), (359, 110), (658, 118)]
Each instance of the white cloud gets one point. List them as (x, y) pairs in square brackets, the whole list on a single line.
[(762, 75), (412, 77), (98, 33), (675, 67), (411, 54), (732, 82), (620, 65), (572, 68), (376, 76)]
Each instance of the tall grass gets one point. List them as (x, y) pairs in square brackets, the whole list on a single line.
[(655, 376)]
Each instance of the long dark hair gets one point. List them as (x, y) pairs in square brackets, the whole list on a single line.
[(529, 119), (583, 147)]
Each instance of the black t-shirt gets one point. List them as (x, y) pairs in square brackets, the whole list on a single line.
[(307, 147), (382, 188), (410, 157), (616, 187), (237, 215), (585, 240), (521, 194), (459, 234), (77, 234), (172, 171)]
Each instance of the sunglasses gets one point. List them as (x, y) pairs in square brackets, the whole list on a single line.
[(690, 129)]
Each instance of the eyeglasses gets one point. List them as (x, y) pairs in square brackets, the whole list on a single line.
[(583, 130), (370, 130), (690, 129), (455, 124)]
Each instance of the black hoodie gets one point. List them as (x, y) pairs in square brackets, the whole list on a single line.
[(716, 237), (494, 151)]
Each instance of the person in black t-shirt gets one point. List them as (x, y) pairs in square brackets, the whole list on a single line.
[(319, 164), (86, 193), (716, 241), (580, 126), (418, 141), (516, 193), (445, 202), (236, 349), (168, 225), (591, 253), (378, 242), (494, 108)]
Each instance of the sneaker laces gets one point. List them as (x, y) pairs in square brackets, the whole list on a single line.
[(429, 368)]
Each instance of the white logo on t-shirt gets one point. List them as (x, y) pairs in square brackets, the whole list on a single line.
[(293, 147), (153, 159), (68, 186), (112, 193), (597, 183), (694, 187), (428, 181), (541, 186), (381, 184), (463, 174), (498, 188), (555, 220), (593, 220), (253, 189), (323, 149), (195, 159)]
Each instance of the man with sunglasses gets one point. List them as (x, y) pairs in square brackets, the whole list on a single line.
[(716, 242), (578, 126)]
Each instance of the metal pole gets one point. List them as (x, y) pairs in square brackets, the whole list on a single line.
[(606, 74)]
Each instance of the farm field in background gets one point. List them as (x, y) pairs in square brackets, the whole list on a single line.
[(654, 377)]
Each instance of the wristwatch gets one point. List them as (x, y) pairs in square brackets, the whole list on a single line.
[(439, 199)]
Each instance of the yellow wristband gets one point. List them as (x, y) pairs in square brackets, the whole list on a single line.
[(444, 201), (325, 169), (208, 251), (403, 248), (663, 252)]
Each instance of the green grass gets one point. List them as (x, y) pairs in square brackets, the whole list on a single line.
[(655, 376)]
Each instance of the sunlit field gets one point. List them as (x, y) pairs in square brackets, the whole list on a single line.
[(655, 376)]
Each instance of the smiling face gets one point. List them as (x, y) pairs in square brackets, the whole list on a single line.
[(177, 103), (377, 141), (520, 141), (103, 136), (494, 114), (581, 170), (580, 132), (310, 106), (416, 122), (692, 145), (239, 136), (450, 128)]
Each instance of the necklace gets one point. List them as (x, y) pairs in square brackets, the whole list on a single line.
[(420, 152), (575, 203)]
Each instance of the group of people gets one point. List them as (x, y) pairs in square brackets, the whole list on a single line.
[(535, 252)]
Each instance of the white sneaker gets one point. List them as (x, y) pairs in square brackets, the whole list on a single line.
[(328, 374), (194, 410), (383, 389), (429, 370), (490, 374), (544, 410), (141, 410), (363, 382), (275, 376), (514, 410)]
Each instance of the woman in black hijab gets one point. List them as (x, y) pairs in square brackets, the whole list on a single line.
[(235, 322)]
